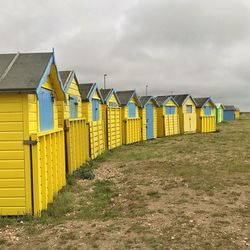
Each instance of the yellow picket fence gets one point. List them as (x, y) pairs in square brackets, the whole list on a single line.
[(171, 125), (132, 130), (77, 143), (48, 167), (114, 134), (96, 138), (207, 124)]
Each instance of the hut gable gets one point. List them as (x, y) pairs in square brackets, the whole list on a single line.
[(128, 96), (182, 99), (110, 97), (203, 101), (166, 100), (27, 72), (72, 107), (89, 91), (148, 100)]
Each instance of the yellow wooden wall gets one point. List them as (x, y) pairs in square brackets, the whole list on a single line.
[(112, 124), (206, 124), (167, 124), (73, 90), (143, 115), (77, 143), (131, 127), (19, 122), (188, 121), (96, 128), (15, 180), (237, 114), (48, 167)]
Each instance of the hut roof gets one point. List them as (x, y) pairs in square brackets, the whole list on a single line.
[(181, 99), (67, 77), (107, 93), (126, 96), (218, 105), (87, 91), (229, 108), (145, 99), (162, 100), (23, 72), (202, 101)]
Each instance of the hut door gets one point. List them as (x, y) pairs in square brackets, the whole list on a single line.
[(150, 121)]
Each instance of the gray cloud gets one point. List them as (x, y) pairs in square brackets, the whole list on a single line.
[(196, 46)]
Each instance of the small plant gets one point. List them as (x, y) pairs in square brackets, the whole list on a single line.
[(86, 172)]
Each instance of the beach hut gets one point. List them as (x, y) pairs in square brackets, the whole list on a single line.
[(32, 151), (219, 112), (131, 121), (148, 113), (237, 113), (187, 113), (168, 118), (76, 130), (206, 115), (229, 113), (112, 118), (91, 111)]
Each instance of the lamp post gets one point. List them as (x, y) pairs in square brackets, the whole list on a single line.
[(104, 81), (146, 90)]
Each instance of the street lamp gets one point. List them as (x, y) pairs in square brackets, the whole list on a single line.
[(146, 90), (104, 80)]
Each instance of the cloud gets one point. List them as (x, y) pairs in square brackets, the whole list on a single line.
[(196, 46)]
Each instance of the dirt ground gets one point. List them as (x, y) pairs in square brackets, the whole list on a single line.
[(182, 192)]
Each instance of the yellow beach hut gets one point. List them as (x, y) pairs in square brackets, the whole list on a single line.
[(32, 156), (206, 115), (112, 118), (168, 118), (76, 130), (187, 113), (91, 111), (237, 113), (148, 113), (131, 121)]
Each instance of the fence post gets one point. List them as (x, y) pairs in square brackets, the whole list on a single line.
[(36, 171)]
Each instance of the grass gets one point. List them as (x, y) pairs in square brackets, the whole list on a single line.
[(184, 192)]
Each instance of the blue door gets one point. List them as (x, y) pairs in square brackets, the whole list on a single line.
[(46, 114), (150, 121), (95, 109), (229, 115), (73, 104)]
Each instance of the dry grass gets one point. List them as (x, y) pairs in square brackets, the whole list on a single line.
[(183, 192)]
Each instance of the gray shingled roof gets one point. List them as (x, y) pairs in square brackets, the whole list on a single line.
[(65, 76), (105, 93), (145, 99), (229, 108), (85, 90), (180, 98), (125, 96), (22, 71), (162, 99), (201, 101)]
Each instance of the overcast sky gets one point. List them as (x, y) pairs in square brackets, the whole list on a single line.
[(200, 47)]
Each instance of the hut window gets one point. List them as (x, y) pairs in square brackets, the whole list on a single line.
[(73, 105), (170, 110), (207, 110), (189, 108), (46, 113), (95, 110), (131, 110), (113, 104)]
